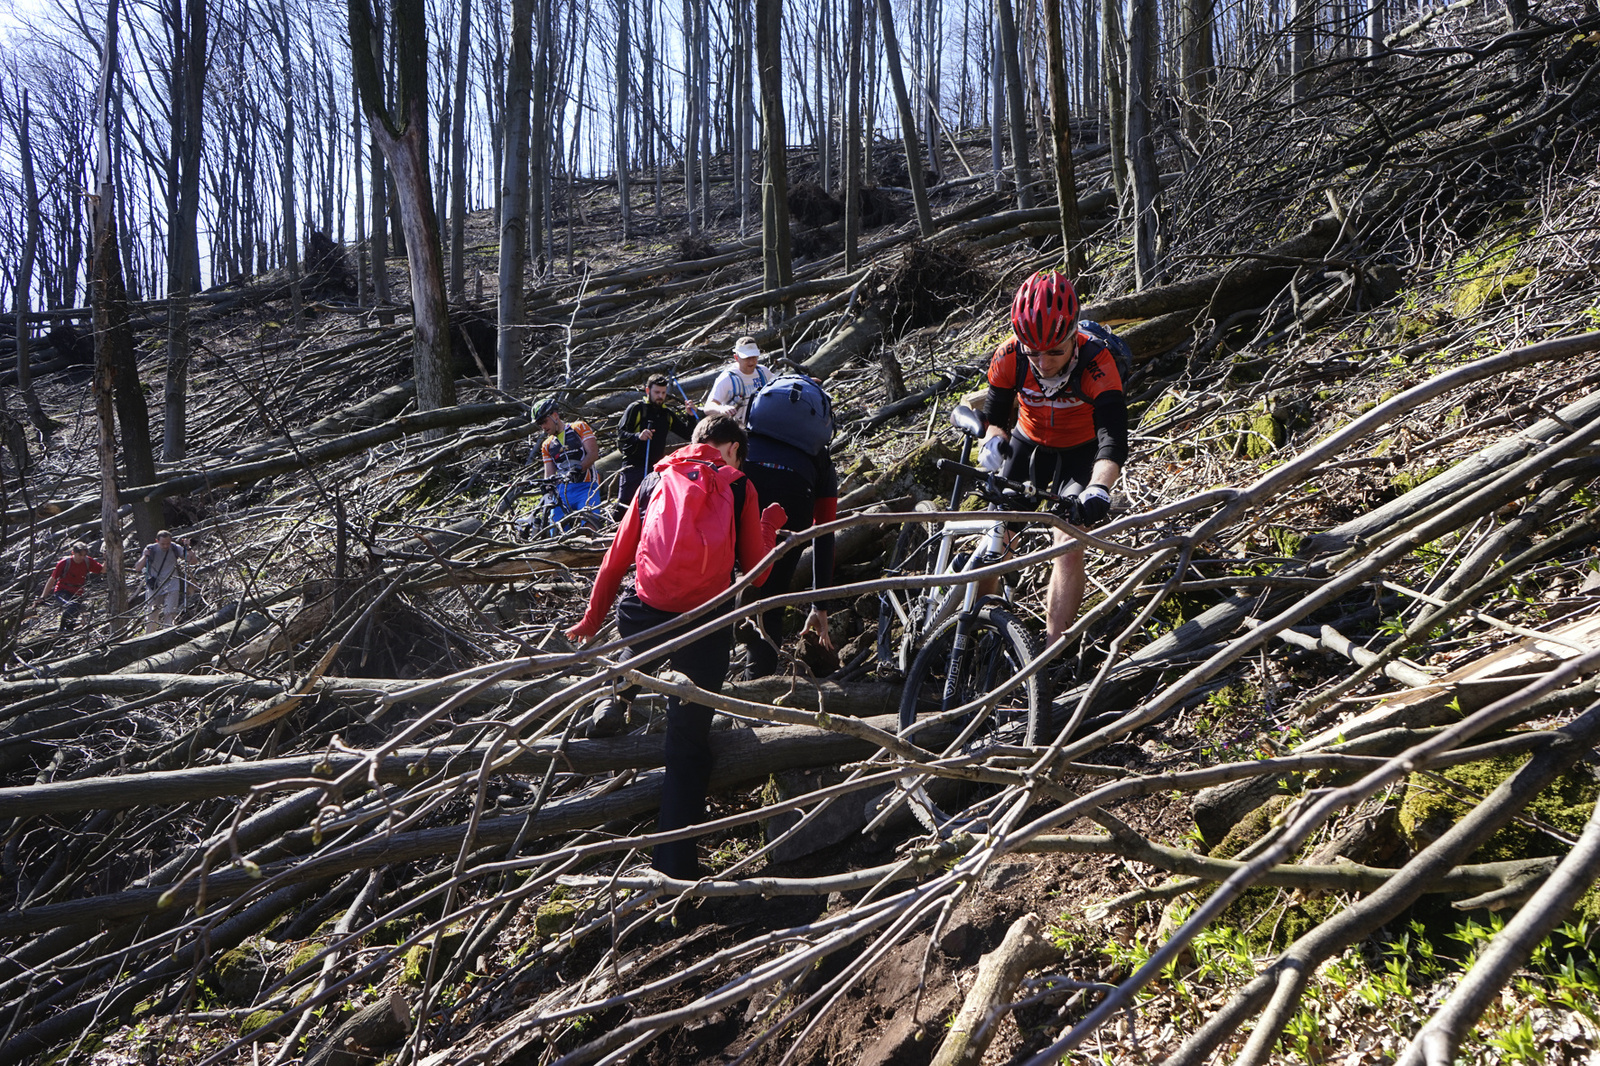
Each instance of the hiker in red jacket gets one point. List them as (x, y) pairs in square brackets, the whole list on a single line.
[(694, 518), (66, 581)]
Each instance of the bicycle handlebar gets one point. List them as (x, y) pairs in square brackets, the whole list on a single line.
[(994, 488)]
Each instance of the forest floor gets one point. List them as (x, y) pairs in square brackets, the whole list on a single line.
[(362, 575)]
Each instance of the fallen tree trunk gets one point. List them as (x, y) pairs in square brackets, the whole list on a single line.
[(365, 1035), (227, 476), (875, 702), (740, 757), (999, 973)]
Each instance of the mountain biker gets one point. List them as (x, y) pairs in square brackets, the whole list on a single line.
[(736, 386), (787, 466), (1063, 426), (569, 451), (643, 434), (674, 576)]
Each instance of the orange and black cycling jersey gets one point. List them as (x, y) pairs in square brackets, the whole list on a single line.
[(1079, 407)]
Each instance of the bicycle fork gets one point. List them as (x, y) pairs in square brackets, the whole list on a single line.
[(991, 551)]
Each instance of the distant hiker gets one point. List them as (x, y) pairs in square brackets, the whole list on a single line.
[(694, 518), (569, 451), (791, 423), (646, 424), (1057, 381), (736, 386), (66, 581), (163, 565)]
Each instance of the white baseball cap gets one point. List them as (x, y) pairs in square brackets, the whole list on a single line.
[(747, 348)]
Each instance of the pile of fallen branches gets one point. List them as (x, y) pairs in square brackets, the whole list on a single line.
[(356, 778), (473, 798)]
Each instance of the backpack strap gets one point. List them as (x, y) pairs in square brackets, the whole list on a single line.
[(1086, 354), (1088, 349), (737, 485)]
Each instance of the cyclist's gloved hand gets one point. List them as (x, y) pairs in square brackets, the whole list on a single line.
[(1094, 505), (773, 517), (993, 455)]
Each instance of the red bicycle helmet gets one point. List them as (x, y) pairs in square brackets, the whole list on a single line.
[(1045, 311)]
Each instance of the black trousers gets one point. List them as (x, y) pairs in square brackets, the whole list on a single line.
[(628, 484), (688, 748), (798, 499)]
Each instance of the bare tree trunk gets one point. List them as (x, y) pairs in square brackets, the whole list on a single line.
[(1018, 121), (110, 303), (908, 121), (403, 137), (619, 128), (744, 122), (930, 98), (776, 272), (1302, 29), (458, 160), (997, 103), (1378, 23), (1113, 59), (291, 212), (1146, 178), (21, 293), (514, 199), (363, 250), (183, 249), (824, 120), (692, 117), (1061, 130), (539, 146), (1197, 60), (852, 138), (116, 369), (703, 83)]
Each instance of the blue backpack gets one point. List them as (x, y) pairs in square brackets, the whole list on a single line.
[(793, 410)]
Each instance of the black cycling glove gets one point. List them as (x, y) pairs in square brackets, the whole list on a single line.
[(1094, 505)]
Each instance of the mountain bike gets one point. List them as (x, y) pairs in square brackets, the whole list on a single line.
[(562, 509), (958, 649)]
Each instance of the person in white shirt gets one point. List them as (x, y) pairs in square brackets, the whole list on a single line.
[(163, 564), (736, 386)]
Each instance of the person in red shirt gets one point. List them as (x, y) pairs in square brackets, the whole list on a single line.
[(1057, 417), (66, 581), (667, 585)]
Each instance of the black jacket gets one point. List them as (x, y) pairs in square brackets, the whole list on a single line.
[(642, 415)]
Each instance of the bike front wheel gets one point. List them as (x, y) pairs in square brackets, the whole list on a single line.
[(998, 647)]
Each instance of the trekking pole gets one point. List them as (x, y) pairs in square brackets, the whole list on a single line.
[(675, 384)]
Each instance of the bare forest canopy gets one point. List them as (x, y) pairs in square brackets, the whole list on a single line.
[(1318, 779)]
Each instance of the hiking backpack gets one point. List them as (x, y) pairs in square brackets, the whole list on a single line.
[(1121, 354), (794, 410), (689, 542)]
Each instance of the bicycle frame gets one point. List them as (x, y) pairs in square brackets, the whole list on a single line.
[(925, 611)]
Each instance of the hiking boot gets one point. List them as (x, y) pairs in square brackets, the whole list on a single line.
[(609, 719)]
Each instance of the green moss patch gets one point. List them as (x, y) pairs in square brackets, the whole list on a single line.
[(554, 918), (1249, 829), (1406, 480), (1431, 807), (257, 1020), (1490, 277)]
